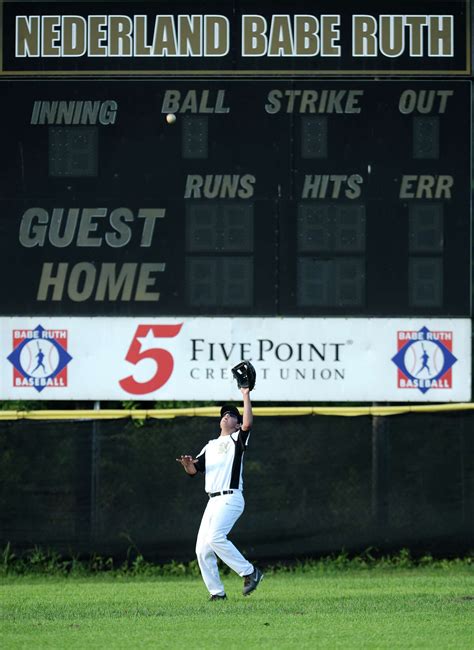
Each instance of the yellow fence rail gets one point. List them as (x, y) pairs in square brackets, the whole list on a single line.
[(213, 411)]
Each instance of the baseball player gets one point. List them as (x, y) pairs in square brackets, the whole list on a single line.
[(221, 460)]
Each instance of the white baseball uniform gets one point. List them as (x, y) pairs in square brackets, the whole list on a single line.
[(221, 460)]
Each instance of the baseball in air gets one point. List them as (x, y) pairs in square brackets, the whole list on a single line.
[(171, 118)]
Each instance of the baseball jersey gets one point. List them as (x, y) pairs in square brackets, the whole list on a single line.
[(221, 460)]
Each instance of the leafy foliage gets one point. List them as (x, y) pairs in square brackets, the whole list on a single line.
[(49, 562)]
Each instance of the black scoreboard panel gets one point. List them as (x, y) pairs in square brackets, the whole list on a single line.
[(263, 197)]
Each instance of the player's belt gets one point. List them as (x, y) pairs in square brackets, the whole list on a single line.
[(217, 494)]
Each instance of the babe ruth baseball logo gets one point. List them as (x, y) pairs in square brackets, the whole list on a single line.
[(39, 358), (424, 359)]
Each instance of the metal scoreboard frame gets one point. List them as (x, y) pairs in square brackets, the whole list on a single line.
[(175, 167)]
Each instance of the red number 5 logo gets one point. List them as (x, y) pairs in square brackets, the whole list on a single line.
[(162, 358)]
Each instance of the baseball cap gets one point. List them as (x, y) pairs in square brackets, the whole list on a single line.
[(233, 410)]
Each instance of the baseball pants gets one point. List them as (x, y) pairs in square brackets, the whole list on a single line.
[(218, 519)]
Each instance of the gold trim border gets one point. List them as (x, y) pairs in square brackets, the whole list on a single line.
[(232, 73)]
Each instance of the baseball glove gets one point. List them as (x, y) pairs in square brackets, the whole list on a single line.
[(245, 375)]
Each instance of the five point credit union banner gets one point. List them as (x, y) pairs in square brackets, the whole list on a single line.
[(297, 359)]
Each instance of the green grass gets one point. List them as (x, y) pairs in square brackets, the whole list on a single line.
[(381, 608)]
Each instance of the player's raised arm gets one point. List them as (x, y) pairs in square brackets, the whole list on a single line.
[(245, 375), (247, 416)]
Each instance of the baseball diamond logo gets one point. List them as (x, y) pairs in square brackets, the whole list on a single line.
[(39, 358), (424, 359)]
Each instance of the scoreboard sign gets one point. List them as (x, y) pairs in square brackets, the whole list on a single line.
[(206, 170), (256, 197), (237, 37)]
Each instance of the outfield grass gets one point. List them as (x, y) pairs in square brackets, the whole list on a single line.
[(383, 609)]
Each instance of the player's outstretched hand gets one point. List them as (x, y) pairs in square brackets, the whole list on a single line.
[(245, 391), (188, 463)]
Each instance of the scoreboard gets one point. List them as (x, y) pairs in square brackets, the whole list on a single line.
[(265, 197), (185, 185)]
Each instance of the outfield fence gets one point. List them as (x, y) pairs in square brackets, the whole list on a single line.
[(105, 481)]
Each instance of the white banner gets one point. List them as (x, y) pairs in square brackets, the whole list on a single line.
[(297, 359)]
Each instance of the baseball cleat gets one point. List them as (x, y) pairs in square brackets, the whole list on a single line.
[(217, 597), (252, 581)]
